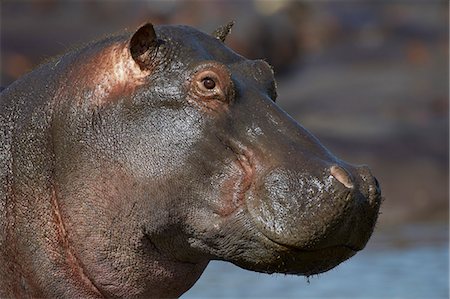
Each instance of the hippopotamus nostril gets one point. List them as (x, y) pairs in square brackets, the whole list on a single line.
[(377, 186), (342, 176)]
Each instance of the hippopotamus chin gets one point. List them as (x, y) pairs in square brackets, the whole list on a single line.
[(127, 165)]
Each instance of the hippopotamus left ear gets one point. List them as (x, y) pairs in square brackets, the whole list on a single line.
[(142, 44)]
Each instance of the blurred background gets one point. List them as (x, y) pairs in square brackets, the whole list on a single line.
[(369, 79)]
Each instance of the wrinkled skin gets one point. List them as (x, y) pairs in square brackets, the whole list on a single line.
[(128, 165)]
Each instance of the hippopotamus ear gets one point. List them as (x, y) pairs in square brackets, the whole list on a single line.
[(142, 44), (222, 32)]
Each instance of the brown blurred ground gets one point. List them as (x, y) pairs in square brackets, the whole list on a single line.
[(369, 79)]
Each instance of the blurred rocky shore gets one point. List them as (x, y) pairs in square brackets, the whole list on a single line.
[(370, 80)]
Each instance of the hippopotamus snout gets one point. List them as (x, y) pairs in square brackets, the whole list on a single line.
[(332, 204)]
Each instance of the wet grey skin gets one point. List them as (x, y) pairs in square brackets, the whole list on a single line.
[(129, 164)]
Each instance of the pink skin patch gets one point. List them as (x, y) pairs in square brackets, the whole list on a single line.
[(109, 73), (235, 188)]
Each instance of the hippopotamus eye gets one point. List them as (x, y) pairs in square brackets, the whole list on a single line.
[(209, 83)]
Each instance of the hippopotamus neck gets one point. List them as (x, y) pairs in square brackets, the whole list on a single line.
[(118, 240), (32, 233)]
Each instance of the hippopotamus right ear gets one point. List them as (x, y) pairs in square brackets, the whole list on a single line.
[(222, 32), (142, 44)]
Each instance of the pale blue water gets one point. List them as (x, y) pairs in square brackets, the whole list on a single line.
[(410, 262)]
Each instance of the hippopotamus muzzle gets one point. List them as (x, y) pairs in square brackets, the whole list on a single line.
[(329, 219)]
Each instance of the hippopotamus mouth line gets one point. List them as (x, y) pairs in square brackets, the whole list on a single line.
[(351, 247), (323, 251), (328, 248)]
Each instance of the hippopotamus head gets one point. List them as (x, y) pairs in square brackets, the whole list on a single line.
[(170, 151)]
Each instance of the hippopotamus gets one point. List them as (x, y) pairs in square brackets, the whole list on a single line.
[(128, 164)]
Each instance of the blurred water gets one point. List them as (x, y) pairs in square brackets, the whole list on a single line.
[(410, 262)]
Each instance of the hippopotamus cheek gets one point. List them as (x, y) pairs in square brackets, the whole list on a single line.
[(226, 188)]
